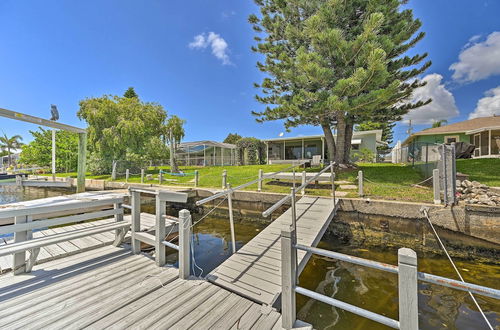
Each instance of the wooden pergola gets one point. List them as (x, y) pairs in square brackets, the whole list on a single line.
[(82, 139)]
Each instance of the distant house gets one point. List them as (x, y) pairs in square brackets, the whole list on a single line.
[(483, 133), (290, 149)]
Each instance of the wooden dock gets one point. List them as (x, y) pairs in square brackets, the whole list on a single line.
[(110, 287), (64, 249), (255, 270)]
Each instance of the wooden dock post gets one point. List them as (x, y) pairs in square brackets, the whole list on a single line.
[(303, 192), (19, 259), (82, 162), (135, 202), (435, 186), (259, 184), (332, 178), (288, 278), (119, 233), (407, 286), (224, 179), (360, 184), (196, 178), (160, 177), (184, 244), (231, 218), (127, 174), (142, 175), (160, 233), (113, 171)]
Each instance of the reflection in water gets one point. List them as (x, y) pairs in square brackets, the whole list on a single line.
[(374, 290)]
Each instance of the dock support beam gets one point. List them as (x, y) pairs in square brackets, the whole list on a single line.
[(82, 161), (288, 278), (19, 259), (184, 244), (407, 286), (160, 233), (135, 202)]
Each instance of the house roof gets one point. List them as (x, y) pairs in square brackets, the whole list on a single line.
[(206, 144), (356, 134), (460, 127)]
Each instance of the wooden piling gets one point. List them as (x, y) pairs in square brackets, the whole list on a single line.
[(436, 187), (288, 278), (259, 185), (360, 184), (407, 286), (184, 244)]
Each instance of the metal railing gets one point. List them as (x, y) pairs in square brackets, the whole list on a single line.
[(302, 187), (407, 284), (228, 193)]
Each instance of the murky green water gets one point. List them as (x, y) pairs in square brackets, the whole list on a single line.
[(439, 307)]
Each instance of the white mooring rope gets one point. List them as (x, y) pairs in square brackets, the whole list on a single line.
[(425, 211)]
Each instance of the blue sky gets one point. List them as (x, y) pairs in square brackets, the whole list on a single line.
[(63, 51)]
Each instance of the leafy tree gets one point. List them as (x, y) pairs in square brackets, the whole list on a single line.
[(232, 138), (387, 133), (251, 151), (336, 63), (130, 93), (439, 123), (39, 151), (120, 128), (10, 143), (174, 134)]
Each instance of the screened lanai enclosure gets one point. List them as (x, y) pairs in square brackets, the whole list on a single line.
[(206, 153)]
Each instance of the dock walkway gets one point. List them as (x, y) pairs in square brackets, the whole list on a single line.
[(254, 271), (110, 287)]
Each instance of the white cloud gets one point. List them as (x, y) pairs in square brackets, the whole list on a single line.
[(218, 45), (442, 106), (478, 60), (488, 105)]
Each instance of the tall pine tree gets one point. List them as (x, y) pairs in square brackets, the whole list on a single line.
[(336, 63)]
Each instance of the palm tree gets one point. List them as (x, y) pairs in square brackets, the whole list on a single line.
[(439, 123), (6, 143)]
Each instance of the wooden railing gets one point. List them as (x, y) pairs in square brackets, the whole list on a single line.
[(158, 239), (52, 212), (407, 284)]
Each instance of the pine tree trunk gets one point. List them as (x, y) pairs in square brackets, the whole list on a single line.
[(341, 139), (348, 142), (330, 141)]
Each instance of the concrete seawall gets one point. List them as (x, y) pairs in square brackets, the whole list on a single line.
[(480, 222)]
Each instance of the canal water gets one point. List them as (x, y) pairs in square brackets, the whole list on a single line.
[(439, 307)]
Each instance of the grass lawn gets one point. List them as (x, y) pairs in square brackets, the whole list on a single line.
[(485, 170), (386, 181)]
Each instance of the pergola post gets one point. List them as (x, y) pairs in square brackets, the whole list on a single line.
[(303, 155), (82, 160), (489, 142)]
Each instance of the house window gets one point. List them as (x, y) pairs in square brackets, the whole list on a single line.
[(451, 139), (355, 147)]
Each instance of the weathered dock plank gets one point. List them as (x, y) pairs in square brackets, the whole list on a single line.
[(111, 288), (255, 270)]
